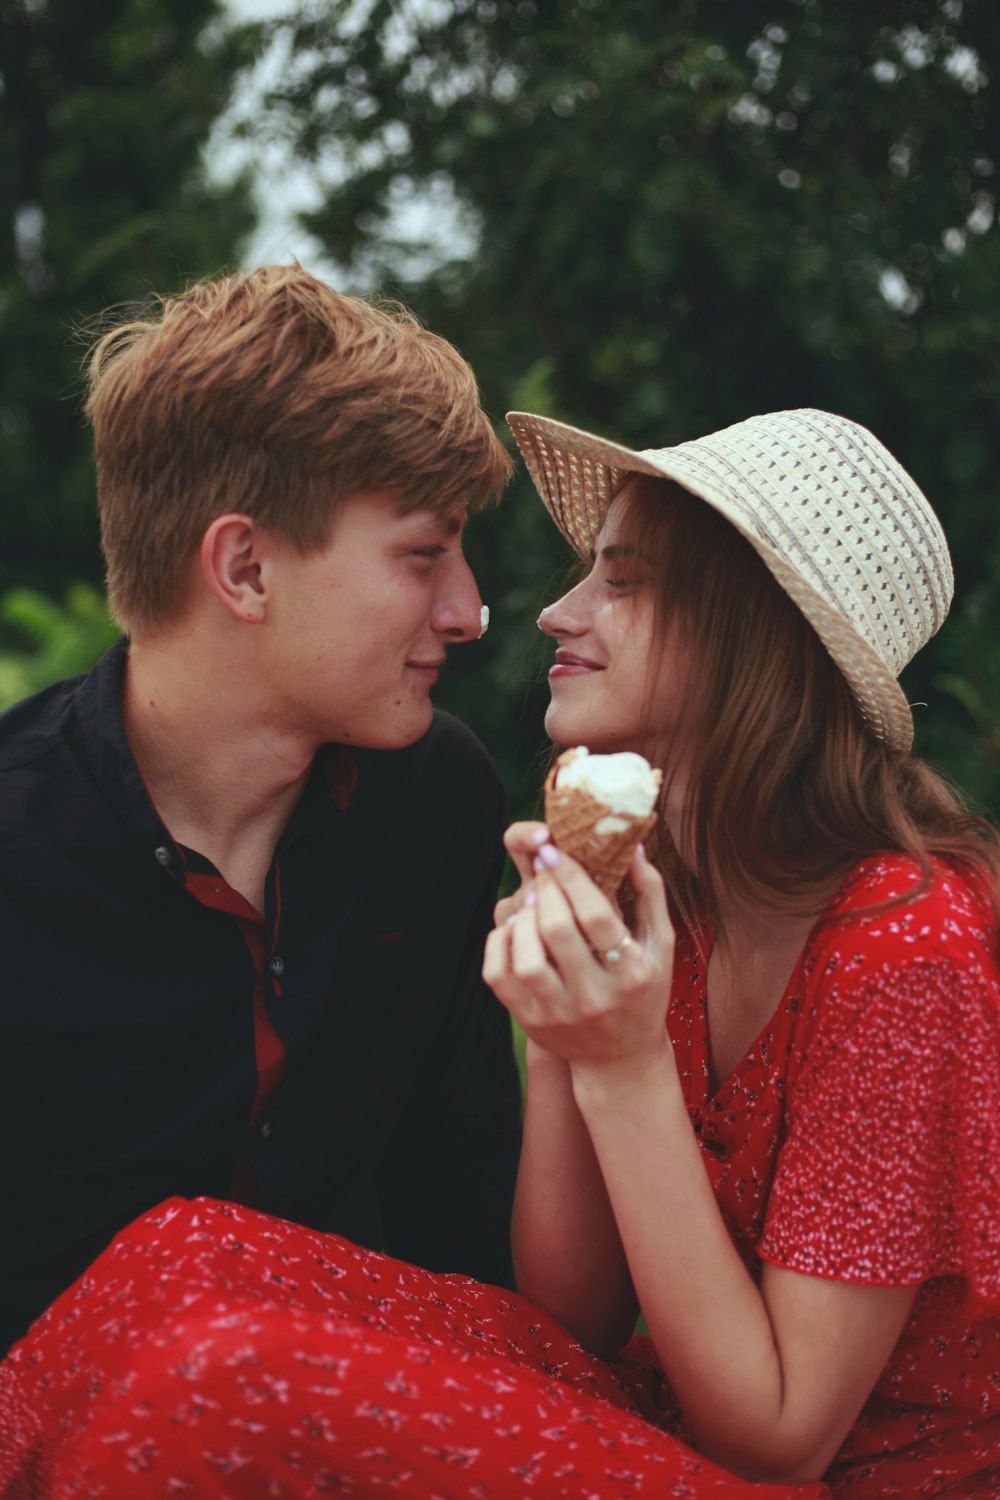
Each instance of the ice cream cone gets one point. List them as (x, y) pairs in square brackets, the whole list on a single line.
[(574, 818)]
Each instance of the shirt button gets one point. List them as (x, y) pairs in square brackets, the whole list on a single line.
[(265, 1129), (277, 966), (162, 855)]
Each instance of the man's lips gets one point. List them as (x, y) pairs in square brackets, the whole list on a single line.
[(429, 668), (568, 664)]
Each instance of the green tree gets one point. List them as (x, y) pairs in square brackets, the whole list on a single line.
[(58, 640), (105, 109), (673, 216)]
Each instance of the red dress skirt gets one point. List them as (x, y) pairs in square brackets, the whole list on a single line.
[(212, 1351)]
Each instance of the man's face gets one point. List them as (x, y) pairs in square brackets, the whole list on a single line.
[(357, 632)]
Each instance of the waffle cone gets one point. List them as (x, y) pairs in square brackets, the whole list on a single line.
[(572, 815)]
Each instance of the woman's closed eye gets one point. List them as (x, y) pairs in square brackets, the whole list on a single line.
[(620, 582)]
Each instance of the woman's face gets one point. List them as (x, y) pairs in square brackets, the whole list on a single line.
[(603, 681)]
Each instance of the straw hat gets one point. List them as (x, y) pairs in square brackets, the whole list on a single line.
[(840, 524)]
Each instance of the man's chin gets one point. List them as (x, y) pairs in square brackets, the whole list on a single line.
[(397, 735)]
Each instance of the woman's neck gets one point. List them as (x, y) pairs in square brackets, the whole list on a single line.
[(751, 964)]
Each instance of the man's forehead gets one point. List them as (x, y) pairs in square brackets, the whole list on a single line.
[(382, 511)]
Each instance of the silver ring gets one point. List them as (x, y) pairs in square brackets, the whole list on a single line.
[(613, 955)]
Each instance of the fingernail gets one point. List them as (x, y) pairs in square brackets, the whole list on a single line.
[(511, 919), (530, 897), (538, 865), (540, 836), (549, 856), (640, 849)]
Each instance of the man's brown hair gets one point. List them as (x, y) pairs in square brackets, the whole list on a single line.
[(267, 392)]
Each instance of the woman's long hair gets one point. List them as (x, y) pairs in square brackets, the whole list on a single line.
[(786, 789)]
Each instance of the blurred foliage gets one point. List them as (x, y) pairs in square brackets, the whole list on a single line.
[(648, 220), (105, 109), (56, 640), (667, 218)]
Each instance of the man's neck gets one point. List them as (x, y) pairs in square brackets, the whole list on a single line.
[(221, 776)]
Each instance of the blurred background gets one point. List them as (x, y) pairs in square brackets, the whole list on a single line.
[(648, 219)]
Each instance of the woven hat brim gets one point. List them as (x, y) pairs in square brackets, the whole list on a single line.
[(578, 474)]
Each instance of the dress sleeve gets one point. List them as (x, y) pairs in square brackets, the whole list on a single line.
[(889, 1173)]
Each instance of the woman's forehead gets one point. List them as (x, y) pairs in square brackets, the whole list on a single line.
[(614, 516)]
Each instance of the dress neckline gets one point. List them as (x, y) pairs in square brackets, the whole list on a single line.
[(731, 1079)]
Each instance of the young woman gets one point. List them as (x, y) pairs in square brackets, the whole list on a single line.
[(795, 1178), (798, 1180)]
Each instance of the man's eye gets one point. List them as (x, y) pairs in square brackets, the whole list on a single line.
[(429, 552)]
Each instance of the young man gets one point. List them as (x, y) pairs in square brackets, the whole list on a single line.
[(246, 869)]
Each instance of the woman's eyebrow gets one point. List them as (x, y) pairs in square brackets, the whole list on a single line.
[(618, 550)]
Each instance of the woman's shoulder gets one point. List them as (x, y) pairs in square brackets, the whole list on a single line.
[(893, 913), (949, 897)]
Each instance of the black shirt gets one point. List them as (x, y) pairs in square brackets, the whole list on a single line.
[(126, 1006)]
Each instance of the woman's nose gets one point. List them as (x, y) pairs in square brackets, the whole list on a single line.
[(561, 617), (546, 620)]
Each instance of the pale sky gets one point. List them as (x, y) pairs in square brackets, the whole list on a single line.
[(284, 184)]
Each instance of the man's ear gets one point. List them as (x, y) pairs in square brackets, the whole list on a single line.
[(231, 562)]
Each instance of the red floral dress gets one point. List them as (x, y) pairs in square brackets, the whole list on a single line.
[(212, 1351)]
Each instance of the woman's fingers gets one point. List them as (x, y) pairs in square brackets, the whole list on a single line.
[(509, 906), (531, 956), (497, 971), (522, 842), (557, 931), (518, 970), (575, 918), (652, 919), (597, 919), (572, 975), (628, 962)]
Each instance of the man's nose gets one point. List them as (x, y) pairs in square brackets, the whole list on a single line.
[(458, 607)]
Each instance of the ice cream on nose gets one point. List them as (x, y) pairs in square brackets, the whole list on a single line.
[(599, 807)]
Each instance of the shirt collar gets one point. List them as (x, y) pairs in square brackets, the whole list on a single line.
[(106, 749)]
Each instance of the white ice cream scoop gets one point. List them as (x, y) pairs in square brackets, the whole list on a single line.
[(599, 807), (625, 783)]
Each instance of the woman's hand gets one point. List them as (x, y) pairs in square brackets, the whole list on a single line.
[(522, 842), (565, 965)]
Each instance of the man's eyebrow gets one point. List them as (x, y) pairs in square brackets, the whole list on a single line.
[(431, 520)]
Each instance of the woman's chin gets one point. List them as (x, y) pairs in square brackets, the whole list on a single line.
[(561, 730), (566, 731)]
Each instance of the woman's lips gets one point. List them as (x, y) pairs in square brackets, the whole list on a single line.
[(567, 664)]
